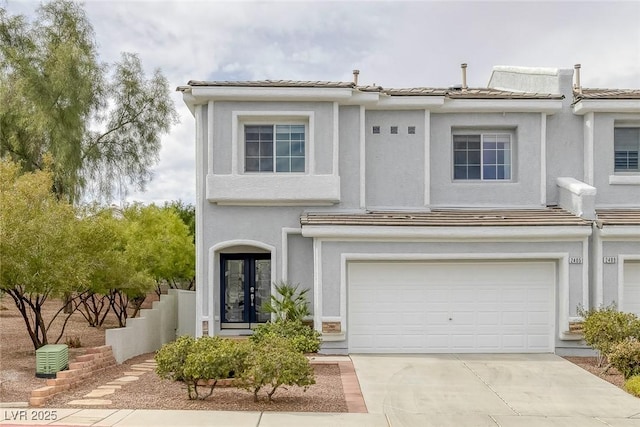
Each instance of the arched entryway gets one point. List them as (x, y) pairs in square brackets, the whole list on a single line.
[(245, 273)]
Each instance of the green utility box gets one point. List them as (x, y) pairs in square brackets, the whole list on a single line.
[(50, 359)]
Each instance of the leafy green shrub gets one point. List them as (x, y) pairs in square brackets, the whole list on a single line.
[(212, 359), (303, 338), (274, 362), (605, 327), (625, 357), (201, 362), (632, 385), (170, 359), (289, 304)]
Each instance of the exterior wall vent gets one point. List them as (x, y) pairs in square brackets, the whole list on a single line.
[(376, 129), (394, 130), (411, 130)]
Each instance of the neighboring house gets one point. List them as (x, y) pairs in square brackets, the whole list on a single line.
[(422, 219)]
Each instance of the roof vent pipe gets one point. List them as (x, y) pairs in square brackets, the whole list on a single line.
[(355, 76), (464, 76), (577, 86)]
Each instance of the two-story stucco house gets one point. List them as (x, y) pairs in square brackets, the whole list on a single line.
[(421, 219)]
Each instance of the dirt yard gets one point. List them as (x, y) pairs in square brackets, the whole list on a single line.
[(17, 355), (17, 375)]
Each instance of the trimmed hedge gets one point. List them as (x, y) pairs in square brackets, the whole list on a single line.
[(268, 362), (606, 327), (625, 357), (171, 358), (303, 338), (274, 362), (193, 360)]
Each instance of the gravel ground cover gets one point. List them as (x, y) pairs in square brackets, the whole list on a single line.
[(17, 375), (152, 392)]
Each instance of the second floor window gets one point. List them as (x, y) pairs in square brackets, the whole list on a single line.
[(482, 156), (274, 148), (627, 147)]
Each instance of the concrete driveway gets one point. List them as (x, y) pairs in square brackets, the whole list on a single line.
[(490, 390)]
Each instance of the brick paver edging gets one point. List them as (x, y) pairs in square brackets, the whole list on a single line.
[(95, 359), (350, 384)]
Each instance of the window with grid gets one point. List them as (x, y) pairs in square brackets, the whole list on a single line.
[(274, 148), (626, 142), (482, 156)]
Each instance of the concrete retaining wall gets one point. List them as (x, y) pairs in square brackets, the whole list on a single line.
[(173, 315)]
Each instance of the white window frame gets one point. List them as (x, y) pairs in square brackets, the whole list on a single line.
[(242, 118), (623, 172), (482, 133), (274, 156)]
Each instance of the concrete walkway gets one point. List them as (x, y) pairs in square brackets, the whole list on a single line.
[(490, 390), (99, 396), (161, 418)]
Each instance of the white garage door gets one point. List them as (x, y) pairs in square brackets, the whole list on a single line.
[(631, 287), (430, 307)]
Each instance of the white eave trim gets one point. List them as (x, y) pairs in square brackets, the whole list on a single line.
[(270, 93), (549, 106), (190, 102), (409, 102), (372, 100), (585, 106), (362, 98), (554, 233), (619, 232)]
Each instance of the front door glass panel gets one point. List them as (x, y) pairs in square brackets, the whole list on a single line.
[(262, 291), (245, 286), (234, 294)]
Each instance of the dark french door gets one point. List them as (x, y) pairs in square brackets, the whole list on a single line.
[(245, 284)]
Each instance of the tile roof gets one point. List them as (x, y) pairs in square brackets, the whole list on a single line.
[(552, 216), (274, 83), (415, 91), (489, 93), (454, 93), (470, 93), (587, 93), (618, 216)]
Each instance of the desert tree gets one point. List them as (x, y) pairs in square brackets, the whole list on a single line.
[(42, 255), (159, 243), (113, 276), (101, 124), (51, 249), (187, 213)]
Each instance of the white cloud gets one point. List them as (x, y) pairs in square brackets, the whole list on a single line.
[(394, 44)]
